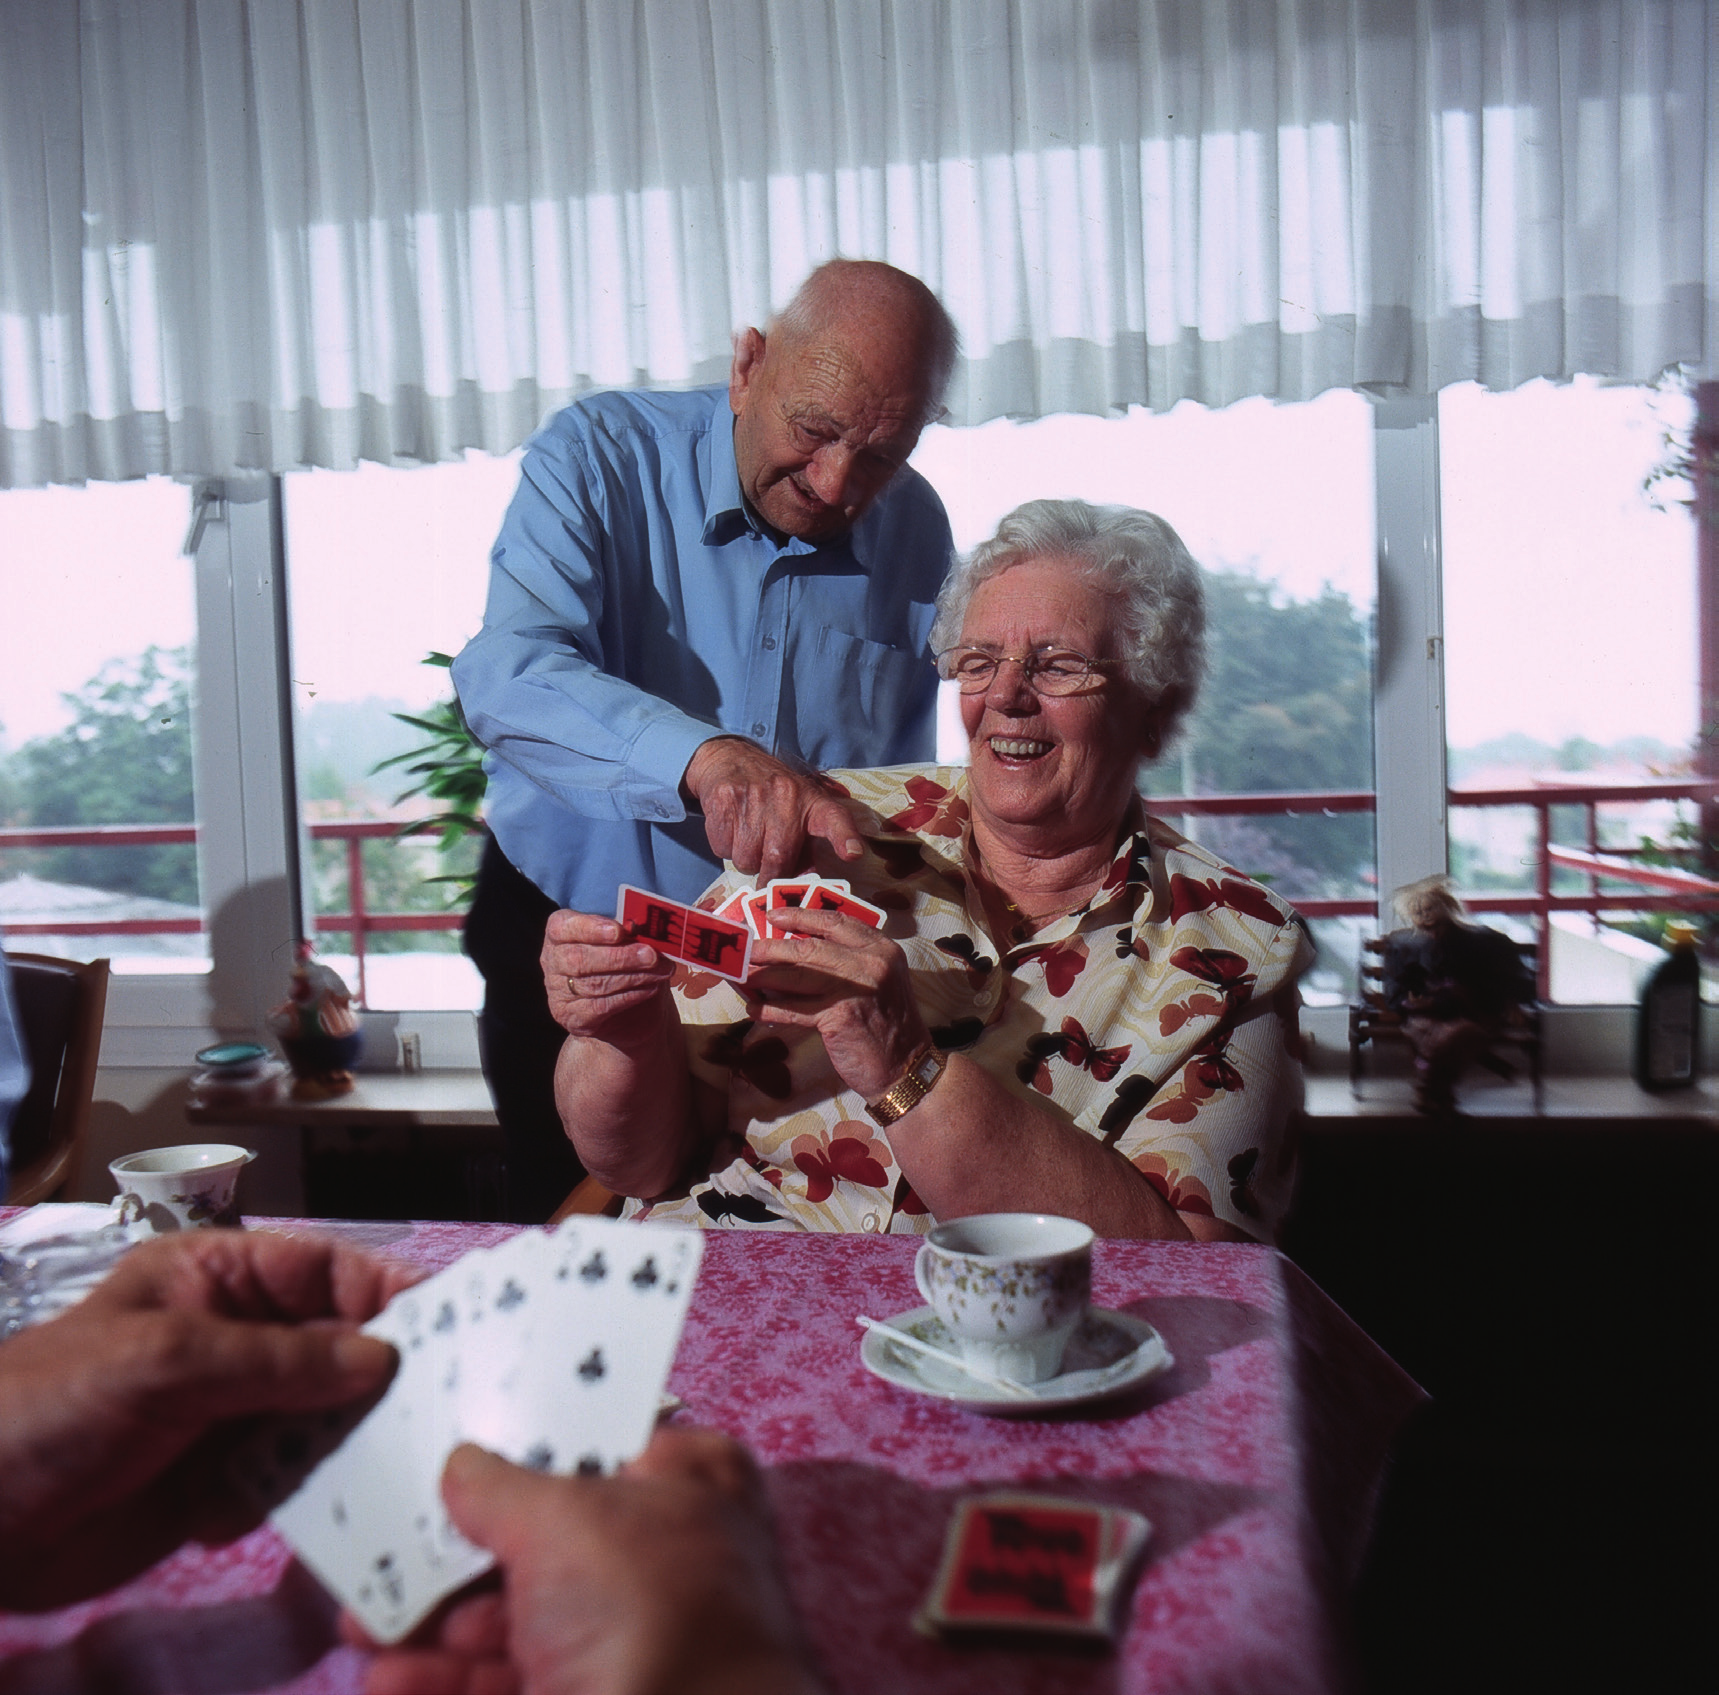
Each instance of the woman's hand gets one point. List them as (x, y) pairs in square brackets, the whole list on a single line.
[(622, 1085), (850, 984), (599, 984)]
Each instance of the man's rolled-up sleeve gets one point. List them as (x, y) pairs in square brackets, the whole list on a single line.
[(533, 684)]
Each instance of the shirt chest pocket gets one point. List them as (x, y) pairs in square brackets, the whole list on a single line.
[(863, 702)]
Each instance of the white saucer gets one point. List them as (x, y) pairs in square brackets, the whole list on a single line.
[(1111, 1351)]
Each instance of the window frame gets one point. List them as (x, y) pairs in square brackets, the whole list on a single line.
[(252, 841), (253, 849)]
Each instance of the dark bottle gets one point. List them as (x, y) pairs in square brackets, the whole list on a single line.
[(1668, 1021)]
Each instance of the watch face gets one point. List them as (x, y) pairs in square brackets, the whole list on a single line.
[(926, 1070)]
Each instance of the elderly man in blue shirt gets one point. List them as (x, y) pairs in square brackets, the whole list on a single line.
[(696, 600)]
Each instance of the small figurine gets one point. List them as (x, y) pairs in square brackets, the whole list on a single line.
[(1455, 984), (318, 1030)]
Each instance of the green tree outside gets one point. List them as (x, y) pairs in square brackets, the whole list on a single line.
[(124, 759), (1287, 704)]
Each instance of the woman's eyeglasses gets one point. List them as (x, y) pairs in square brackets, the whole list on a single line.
[(1050, 671)]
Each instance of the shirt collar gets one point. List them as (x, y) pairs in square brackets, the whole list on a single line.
[(725, 514)]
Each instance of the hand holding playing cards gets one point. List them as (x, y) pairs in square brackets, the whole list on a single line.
[(837, 975), (114, 1416), (600, 982), (622, 1084), (760, 814), (664, 1580)]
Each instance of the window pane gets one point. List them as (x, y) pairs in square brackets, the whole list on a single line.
[(1287, 704), (97, 661), (1570, 638), (385, 567)]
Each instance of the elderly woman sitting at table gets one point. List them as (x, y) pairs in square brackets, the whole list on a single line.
[(1069, 1008)]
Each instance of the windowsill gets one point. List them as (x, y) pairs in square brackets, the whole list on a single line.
[(424, 1098), (1585, 1101)]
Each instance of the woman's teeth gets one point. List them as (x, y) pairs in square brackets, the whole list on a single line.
[(1012, 749)]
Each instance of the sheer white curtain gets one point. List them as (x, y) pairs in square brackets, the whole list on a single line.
[(277, 233)]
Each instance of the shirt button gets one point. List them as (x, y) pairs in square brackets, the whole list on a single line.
[(759, 729), (769, 644)]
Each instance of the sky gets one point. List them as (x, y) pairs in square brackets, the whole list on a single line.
[(1569, 600)]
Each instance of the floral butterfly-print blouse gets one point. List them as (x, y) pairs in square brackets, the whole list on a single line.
[(1159, 1018)]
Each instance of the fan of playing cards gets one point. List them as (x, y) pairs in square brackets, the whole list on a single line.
[(550, 1350), (721, 941)]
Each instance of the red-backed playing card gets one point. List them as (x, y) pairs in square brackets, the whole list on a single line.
[(703, 940), (786, 892), (752, 905), (733, 909), (820, 896), (833, 899), (1033, 1563)]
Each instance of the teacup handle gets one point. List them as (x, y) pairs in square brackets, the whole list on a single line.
[(131, 1208), (920, 1261)]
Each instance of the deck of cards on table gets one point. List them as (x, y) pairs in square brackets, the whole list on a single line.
[(1034, 1564), (721, 941), (551, 1350)]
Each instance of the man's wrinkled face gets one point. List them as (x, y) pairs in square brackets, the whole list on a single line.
[(819, 430)]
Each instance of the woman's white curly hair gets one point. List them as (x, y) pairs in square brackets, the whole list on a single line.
[(1137, 559)]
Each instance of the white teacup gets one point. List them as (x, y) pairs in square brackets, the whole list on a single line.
[(1010, 1288), (184, 1188)]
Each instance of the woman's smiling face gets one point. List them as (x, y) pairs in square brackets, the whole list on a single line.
[(1062, 767)]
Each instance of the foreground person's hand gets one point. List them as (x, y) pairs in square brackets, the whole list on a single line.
[(114, 1417), (662, 1581)]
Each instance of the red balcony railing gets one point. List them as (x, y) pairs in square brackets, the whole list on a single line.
[(360, 922), (1657, 888), (1671, 889)]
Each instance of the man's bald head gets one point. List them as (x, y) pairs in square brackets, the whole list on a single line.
[(871, 304), (830, 404)]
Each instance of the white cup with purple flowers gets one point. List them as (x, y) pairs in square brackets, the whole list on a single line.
[(1010, 1288), (191, 1187)]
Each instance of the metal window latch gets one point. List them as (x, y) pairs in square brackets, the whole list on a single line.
[(210, 501)]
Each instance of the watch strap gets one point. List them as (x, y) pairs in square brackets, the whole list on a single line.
[(910, 1088)]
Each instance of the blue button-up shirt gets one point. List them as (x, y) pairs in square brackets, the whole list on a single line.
[(636, 610), (14, 1067)]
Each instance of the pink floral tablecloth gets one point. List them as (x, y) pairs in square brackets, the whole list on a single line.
[(1257, 1460)]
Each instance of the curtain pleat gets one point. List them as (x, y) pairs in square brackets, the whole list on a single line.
[(281, 233)]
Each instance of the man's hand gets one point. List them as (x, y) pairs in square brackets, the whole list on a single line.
[(598, 982), (761, 815), (115, 1417), (662, 1581)]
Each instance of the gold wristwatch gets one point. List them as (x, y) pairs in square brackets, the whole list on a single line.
[(908, 1090)]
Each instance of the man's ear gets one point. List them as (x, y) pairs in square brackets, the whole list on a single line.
[(748, 362)]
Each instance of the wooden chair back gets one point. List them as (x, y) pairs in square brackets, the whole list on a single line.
[(589, 1199), (61, 1004), (1371, 1018)]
